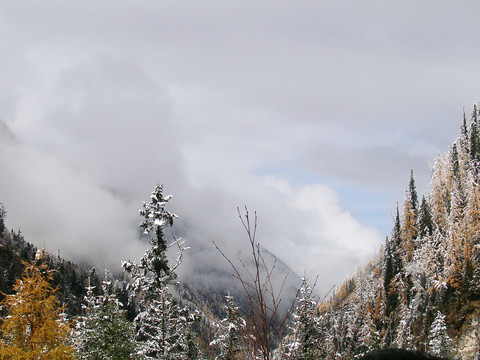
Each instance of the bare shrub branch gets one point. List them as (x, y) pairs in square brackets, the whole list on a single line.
[(265, 322)]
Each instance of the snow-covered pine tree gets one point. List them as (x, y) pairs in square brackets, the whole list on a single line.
[(231, 338), (404, 337), (416, 272), (329, 334), (475, 138), (303, 340), (472, 218), (392, 265), (425, 222), (439, 196), (455, 233), (379, 310), (439, 342), (3, 215), (472, 210), (368, 336), (162, 326), (104, 332), (84, 329)]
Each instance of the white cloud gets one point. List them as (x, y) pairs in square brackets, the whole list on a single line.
[(59, 208), (321, 233), (105, 99)]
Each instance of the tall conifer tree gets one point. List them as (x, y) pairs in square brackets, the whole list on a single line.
[(475, 137), (231, 339), (3, 215), (440, 343), (409, 227), (162, 327), (303, 344), (425, 222)]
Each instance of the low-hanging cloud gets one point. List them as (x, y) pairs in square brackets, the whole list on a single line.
[(60, 209), (227, 105), (74, 174)]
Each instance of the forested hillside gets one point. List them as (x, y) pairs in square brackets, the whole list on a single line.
[(68, 276), (422, 291)]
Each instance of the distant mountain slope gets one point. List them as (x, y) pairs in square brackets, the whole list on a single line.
[(422, 291), (69, 277)]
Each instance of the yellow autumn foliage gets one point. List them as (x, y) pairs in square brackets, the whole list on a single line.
[(33, 328)]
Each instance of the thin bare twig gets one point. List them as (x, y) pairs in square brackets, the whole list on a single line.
[(266, 323)]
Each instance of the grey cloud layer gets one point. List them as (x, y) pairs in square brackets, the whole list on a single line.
[(100, 101)]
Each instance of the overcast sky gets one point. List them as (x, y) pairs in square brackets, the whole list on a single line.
[(312, 113)]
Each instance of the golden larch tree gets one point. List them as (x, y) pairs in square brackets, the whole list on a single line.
[(34, 327), (409, 229), (439, 197), (409, 226)]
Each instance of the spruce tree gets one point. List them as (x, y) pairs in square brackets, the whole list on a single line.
[(368, 335), (439, 342), (161, 326), (3, 215), (388, 274), (455, 161), (440, 193), (412, 190), (231, 339), (425, 222), (404, 338), (104, 332), (475, 137), (464, 129), (392, 265), (303, 341)]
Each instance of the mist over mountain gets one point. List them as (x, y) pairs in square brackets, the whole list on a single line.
[(313, 125)]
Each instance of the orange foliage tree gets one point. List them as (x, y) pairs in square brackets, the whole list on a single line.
[(34, 327)]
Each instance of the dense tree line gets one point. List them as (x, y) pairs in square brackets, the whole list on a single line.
[(69, 277)]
